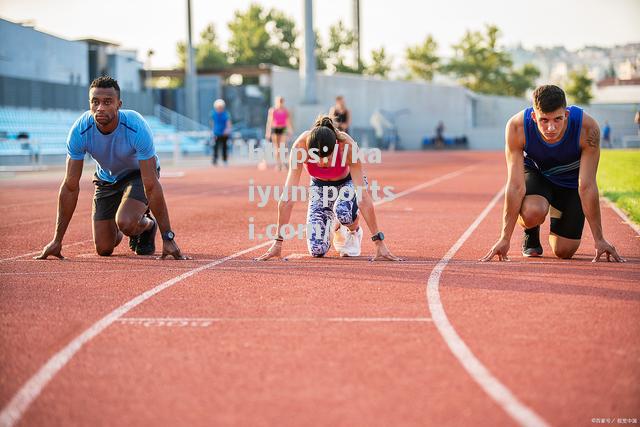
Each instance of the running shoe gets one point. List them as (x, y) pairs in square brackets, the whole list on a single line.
[(531, 246), (133, 243), (353, 243), (147, 239), (339, 237)]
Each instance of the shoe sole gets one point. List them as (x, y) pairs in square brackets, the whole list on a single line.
[(346, 255), (535, 254)]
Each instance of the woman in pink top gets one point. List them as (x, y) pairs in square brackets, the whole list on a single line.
[(278, 127), (346, 179)]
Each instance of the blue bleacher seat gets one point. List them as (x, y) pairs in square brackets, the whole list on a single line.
[(48, 130)]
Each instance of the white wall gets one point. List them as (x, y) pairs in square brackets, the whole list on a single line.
[(482, 118), (29, 54), (124, 67), (428, 103)]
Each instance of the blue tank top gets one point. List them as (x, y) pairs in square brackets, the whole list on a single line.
[(559, 162)]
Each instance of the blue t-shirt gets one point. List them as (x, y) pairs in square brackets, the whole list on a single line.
[(116, 154), (219, 122)]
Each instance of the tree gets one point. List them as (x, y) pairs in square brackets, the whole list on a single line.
[(259, 36), (579, 87), (322, 55), (422, 59), (341, 41), (380, 64), (208, 54), (520, 80), (482, 67)]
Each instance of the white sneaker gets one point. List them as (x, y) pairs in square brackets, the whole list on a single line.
[(339, 237), (353, 244)]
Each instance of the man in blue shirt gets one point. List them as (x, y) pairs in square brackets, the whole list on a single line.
[(126, 178), (221, 121), (552, 154)]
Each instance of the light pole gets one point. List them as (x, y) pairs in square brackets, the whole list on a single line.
[(356, 32), (308, 66), (191, 82)]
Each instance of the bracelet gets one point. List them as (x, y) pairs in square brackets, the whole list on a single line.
[(279, 239)]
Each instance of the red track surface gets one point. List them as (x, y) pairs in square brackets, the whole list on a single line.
[(315, 341)]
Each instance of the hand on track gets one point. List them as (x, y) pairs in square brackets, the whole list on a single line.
[(604, 247), (383, 254), (501, 249), (275, 251), (170, 248), (54, 248)]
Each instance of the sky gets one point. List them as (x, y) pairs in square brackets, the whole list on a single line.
[(392, 24)]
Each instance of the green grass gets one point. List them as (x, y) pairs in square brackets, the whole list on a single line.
[(619, 180)]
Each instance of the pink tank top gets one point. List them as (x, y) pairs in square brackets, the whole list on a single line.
[(331, 172), (280, 117)]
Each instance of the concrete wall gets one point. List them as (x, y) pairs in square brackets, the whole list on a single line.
[(29, 54), (482, 118), (427, 103), (124, 67)]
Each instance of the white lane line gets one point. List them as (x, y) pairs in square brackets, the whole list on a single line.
[(379, 202), (183, 321), (426, 184), (37, 252), (33, 387), (623, 216), (520, 413), (93, 272)]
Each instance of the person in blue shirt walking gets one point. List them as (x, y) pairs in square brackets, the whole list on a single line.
[(552, 154), (126, 178), (606, 135), (221, 120)]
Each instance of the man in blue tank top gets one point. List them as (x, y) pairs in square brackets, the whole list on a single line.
[(552, 156), (126, 178)]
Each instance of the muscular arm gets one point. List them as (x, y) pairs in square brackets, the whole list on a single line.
[(357, 175), (293, 178), (588, 187), (68, 197), (67, 201), (153, 190), (515, 188), (286, 206), (366, 202)]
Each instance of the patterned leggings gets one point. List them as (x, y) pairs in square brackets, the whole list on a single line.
[(320, 213)]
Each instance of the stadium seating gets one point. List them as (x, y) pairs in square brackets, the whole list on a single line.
[(47, 133)]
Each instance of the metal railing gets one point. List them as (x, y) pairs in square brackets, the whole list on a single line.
[(179, 122)]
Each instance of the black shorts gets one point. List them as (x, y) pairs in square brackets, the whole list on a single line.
[(278, 131), (567, 218), (221, 139), (108, 196)]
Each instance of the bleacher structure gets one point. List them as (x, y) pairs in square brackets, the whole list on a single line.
[(33, 136)]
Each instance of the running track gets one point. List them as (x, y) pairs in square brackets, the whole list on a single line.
[(436, 340)]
